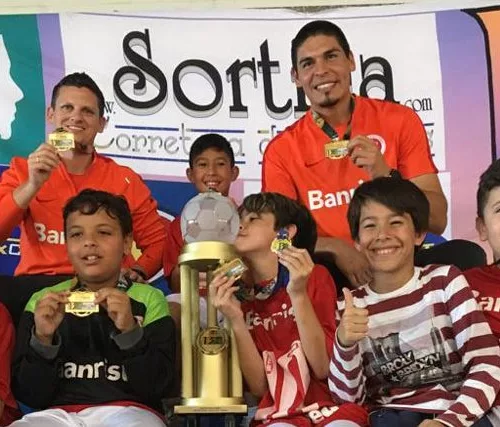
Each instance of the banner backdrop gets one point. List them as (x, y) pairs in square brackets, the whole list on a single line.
[(170, 77)]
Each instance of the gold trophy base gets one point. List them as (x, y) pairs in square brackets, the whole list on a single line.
[(207, 405)]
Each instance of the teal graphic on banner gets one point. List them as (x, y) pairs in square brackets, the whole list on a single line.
[(22, 105)]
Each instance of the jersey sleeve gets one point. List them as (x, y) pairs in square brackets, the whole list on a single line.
[(34, 377), (7, 336), (12, 214), (150, 363), (173, 247), (414, 157), (149, 227), (323, 295), (276, 176)]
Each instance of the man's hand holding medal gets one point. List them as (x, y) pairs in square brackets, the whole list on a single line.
[(46, 158), (367, 155), (364, 154)]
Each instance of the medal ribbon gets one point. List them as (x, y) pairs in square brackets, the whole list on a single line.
[(264, 290), (331, 132)]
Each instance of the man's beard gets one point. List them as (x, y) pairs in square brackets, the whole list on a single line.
[(328, 101), (84, 148)]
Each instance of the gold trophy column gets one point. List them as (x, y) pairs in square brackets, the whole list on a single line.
[(211, 376)]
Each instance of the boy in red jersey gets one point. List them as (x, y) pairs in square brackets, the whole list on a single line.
[(485, 281), (285, 326), (211, 166)]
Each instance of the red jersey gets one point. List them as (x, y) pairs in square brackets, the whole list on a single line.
[(485, 284), (295, 165), (7, 338), (294, 393), (42, 239), (173, 246)]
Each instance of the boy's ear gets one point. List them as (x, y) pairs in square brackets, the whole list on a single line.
[(481, 229), (419, 238), (128, 240), (292, 231), (189, 174), (235, 173)]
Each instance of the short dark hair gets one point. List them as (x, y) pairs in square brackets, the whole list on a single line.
[(316, 28), (210, 140), (489, 180), (89, 201), (79, 80), (286, 212), (399, 195)]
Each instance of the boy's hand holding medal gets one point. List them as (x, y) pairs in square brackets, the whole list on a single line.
[(222, 289), (48, 315), (117, 303), (81, 303), (297, 261)]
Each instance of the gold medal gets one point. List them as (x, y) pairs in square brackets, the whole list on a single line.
[(281, 241), (234, 268), (62, 140), (336, 149), (81, 303)]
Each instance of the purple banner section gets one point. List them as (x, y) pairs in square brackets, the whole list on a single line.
[(49, 31), (467, 113)]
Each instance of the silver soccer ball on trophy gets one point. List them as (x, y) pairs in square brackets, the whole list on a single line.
[(210, 217)]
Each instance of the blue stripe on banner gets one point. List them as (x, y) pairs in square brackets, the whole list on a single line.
[(146, 128), (156, 159), (204, 130)]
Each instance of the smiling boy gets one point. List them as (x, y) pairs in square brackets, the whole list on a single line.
[(413, 344)]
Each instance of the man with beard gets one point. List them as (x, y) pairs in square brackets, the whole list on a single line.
[(341, 142)]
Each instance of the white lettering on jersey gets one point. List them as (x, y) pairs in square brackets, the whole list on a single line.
[(489, 304), (270, 322), (316, 199), (318, 415), (54, 237), (93, 371)]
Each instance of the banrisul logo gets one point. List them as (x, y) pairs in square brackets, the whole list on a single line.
[(22, 103)]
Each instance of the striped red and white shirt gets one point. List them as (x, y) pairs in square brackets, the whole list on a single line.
[(429, 350)]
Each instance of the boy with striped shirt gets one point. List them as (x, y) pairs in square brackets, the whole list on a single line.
[(412, 344)]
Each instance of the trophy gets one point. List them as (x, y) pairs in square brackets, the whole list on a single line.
[(211, 376)]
